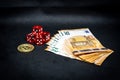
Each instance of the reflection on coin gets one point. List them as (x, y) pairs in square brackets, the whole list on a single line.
[(25, 47)]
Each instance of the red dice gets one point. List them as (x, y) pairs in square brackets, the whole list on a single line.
[(37, 29), (39, 41), (38, 36), (46, 36), (30, 38)]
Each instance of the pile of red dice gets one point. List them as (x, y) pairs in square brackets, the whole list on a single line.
[(38, 36)]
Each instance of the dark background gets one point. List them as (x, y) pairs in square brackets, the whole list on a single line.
[(17, 18)]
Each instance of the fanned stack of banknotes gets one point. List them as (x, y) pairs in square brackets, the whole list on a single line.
[(78, 44)]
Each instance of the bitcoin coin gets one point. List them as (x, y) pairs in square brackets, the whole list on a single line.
[(25, 48)]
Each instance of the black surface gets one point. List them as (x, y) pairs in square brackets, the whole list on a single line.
[(16, 22), (57, 3)]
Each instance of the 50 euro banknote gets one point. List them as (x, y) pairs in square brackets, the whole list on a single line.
[(79, 44)]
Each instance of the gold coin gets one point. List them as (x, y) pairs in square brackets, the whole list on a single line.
[(25, 48)]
